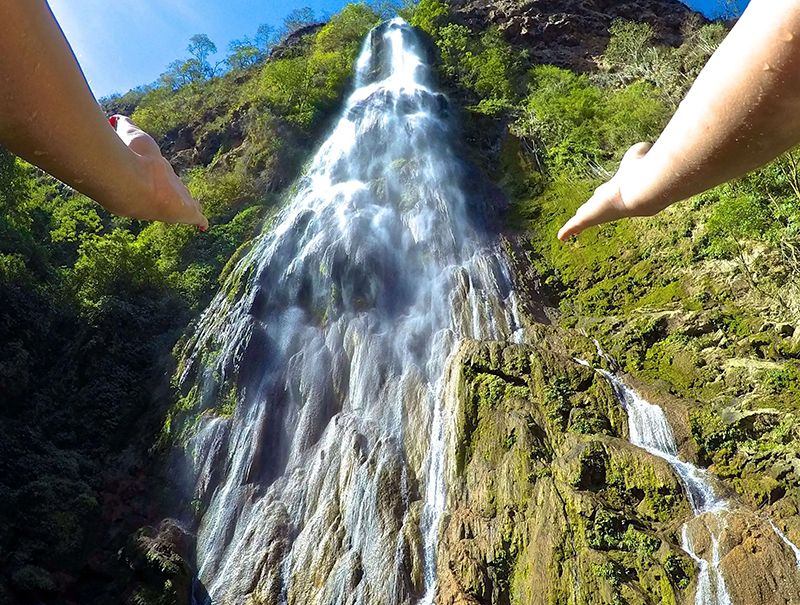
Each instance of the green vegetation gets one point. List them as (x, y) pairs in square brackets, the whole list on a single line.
[(673, 296), (480, 65), (555, 507), (701, 301)]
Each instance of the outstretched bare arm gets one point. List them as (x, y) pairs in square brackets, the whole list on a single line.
[(742, 111), (49, 117)]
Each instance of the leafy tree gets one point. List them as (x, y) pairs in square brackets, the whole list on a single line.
[(201, 48), (455, 46), (486, 65), (14, 187), (247, 52), (113, 265), (631, 43), (265, 38), (197, 68), (631, 55), (346, 30), (76, 220), (243, 54), (429, 15), (579, 127), (701, 40), (304, 87), (496, 69)]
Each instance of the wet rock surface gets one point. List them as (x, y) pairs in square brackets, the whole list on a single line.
[(549, 502), (548, 508)]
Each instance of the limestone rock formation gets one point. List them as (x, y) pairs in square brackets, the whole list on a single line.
[(549, 503)]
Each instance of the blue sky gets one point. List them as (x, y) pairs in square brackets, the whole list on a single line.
[(129, 42)]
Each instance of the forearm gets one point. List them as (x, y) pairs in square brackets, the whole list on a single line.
[(48, 115), (742, 112)]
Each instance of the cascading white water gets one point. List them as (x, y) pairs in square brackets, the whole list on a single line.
[(650, 430), (327, 484), (792, 546)]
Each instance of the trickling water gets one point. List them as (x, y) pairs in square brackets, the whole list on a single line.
[(327, 484), (792, 546), (650, 430)]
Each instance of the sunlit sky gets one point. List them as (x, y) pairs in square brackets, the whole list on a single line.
[(126, 43)]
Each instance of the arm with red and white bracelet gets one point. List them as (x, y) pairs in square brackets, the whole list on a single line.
[(49, 117)]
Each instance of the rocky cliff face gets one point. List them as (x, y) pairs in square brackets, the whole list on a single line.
[(569, 33), (550, 503)]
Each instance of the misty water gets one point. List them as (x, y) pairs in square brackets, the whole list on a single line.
[(327, 483)]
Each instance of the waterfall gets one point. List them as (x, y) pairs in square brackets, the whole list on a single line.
[(650, 430), (326, 485)]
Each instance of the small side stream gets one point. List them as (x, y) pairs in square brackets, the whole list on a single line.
[(649, 429)]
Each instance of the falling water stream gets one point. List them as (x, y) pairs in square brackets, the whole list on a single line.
[(326, 485), (649, 429)]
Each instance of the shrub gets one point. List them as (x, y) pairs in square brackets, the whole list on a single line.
[(735, 218), (304, 88), (581, 126), (112, 266), (428, 15), (485, 65), (631, 56)]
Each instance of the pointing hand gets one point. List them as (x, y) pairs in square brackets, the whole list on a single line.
[(608, 202), (168, 198)]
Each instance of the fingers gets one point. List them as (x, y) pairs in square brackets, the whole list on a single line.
[(171, 201), (602, 207), (176, 203), (606, 204), (194, 214)]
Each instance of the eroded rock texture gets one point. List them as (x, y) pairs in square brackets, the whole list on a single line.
[(568, 33), (549, 501), (550, 504)]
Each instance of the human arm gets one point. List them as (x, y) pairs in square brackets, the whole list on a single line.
[(742, 111), (49, 117)]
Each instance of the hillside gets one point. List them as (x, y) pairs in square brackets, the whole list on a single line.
[(698, 307)]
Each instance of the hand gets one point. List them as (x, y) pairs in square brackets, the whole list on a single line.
[(166, 197), (608, 202)]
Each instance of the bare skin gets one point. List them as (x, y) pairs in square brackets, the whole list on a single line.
[(742, 112), (49, 117)]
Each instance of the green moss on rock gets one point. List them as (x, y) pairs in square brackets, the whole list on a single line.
[(554, 493)]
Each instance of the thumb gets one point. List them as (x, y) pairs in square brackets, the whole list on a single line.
[(134, 137)]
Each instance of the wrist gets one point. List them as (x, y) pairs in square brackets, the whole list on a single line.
[(646, 187)]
